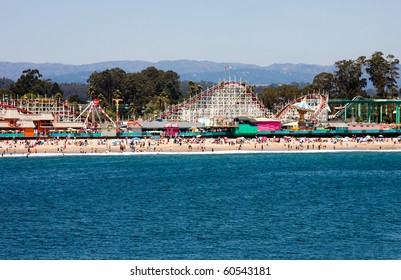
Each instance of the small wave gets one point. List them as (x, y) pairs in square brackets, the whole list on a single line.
[(230, 152)]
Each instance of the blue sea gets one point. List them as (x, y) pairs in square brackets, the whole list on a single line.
[(282, 206)]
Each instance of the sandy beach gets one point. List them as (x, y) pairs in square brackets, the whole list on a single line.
[(188, 145)]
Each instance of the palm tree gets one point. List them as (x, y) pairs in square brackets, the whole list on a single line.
[(91, 92)]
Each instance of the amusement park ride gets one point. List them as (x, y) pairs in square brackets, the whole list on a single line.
[(97, 114), (224, 102), (41, 116), (216, 107), (229, 100)]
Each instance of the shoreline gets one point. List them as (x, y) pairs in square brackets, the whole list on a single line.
[(167, 153)]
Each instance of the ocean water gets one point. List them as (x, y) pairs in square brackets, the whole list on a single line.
[(291, 206)]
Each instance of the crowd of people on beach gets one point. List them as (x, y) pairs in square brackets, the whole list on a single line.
[(183, 144)]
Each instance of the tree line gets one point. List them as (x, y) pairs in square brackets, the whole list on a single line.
[(347, 81), (30, 86), (147, 92)]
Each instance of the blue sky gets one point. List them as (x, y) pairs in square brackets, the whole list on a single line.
[(259, 32)]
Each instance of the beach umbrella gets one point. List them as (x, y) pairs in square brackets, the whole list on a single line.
[(132, 140), (381, 136)]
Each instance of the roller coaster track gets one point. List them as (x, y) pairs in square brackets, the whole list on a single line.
[(192, 100), (317, 111), (242, 91), (342, 111), (21, 110), (36, 106)]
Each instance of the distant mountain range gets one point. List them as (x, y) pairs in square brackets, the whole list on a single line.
[(187, 69)]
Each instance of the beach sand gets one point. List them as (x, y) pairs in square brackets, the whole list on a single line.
[(188, 145)]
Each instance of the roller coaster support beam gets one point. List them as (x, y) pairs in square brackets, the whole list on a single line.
[(345, 113)]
